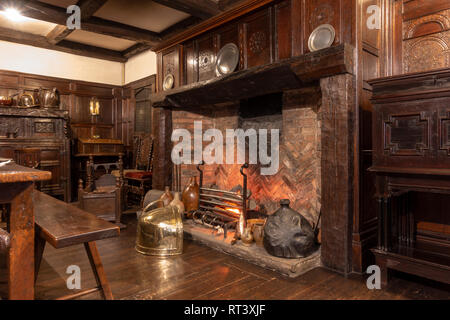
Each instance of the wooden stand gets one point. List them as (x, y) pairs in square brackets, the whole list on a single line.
[(411, 129)]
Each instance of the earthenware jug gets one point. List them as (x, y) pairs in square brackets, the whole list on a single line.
[(191, 196), (166, 197), (177, 202)]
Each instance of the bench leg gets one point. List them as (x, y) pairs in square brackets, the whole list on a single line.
[(97, 268), (39, 246)]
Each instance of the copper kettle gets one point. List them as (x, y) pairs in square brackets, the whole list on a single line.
[(49, 98)]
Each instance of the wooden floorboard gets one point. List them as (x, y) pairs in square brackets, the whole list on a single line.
[(203, 273)]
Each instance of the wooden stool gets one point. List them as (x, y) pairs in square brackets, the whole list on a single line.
[(63, 225)]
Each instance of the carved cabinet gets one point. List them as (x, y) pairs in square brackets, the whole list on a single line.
[(38, 138), (411, 140)]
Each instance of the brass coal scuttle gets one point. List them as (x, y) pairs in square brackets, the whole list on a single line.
[(160, 231)]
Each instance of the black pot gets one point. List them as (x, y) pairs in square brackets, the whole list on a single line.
[(287, 234)]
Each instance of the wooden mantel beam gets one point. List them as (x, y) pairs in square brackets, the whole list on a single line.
[(203, 9)]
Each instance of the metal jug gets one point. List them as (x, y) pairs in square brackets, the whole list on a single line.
[(160, 231)]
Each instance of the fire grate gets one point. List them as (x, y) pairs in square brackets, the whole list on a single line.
[(220, 209)]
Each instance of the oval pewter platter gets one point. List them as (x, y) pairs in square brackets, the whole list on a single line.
[(227, 59), (322, 37), (168, 82)]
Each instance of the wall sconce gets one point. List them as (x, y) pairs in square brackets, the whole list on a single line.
[(94, 107)]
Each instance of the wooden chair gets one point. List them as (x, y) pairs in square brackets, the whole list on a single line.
[(63, 225), (102, 197), (138, 181)]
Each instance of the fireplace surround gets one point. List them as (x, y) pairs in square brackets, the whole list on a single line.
[(317, 129)]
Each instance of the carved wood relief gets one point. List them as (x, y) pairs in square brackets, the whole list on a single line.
[(406, 134), (444, 133), (426, 43), (44, 127)]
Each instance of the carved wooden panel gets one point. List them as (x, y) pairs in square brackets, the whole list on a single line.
[(169, 63), (44, 126), (283, 30), (444, 133), (259, 35), (426, 43), (406, 134), (207, 51), (322, 12), (190, 63)]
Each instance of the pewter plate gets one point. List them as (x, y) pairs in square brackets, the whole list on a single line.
[(227, 59), (322, 37), (168, 82)]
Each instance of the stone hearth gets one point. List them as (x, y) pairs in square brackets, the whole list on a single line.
[(255, 254)]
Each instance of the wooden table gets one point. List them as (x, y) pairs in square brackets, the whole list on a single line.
[(16, 189)]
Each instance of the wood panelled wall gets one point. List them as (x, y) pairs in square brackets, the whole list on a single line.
[(264, 34), (422, 28), (116, 118), (414, 36)]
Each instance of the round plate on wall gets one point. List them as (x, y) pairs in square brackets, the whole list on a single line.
[(322, 37), (227, 59), (168, 82)]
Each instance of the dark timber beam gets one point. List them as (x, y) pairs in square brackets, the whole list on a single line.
[(87, 8), (180, 26), (64, 46), (45, 12), (203, 9), (135, 50), (165, 34)]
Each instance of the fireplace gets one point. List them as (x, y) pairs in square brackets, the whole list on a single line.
[(310, 101)]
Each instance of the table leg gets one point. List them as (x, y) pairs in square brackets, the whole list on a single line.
[(21, 254)]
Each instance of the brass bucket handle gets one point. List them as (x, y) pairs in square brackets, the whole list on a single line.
[(151, 204)]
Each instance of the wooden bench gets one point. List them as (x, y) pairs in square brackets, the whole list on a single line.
[(63, 225)]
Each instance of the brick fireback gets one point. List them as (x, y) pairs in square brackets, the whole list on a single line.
[(299, 174)]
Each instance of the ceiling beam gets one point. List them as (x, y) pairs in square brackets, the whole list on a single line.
[(64, 46), (58, 34), (203, 9), (135, 50), (87, 8), (54, 14), (227, 4), (179, 26), (165, 34)]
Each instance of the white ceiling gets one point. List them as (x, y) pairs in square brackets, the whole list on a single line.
[(27, 25), (143, 14), (99, 40)]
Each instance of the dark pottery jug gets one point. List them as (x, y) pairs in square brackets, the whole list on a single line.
[(191, 196), (287, 234)]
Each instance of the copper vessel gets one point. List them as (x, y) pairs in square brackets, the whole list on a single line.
[(6, 101), (191, 196), (49, 98), (160, 231), (166, 198)]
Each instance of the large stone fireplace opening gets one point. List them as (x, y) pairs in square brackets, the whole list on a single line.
[(310, 99), (295, 115)]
